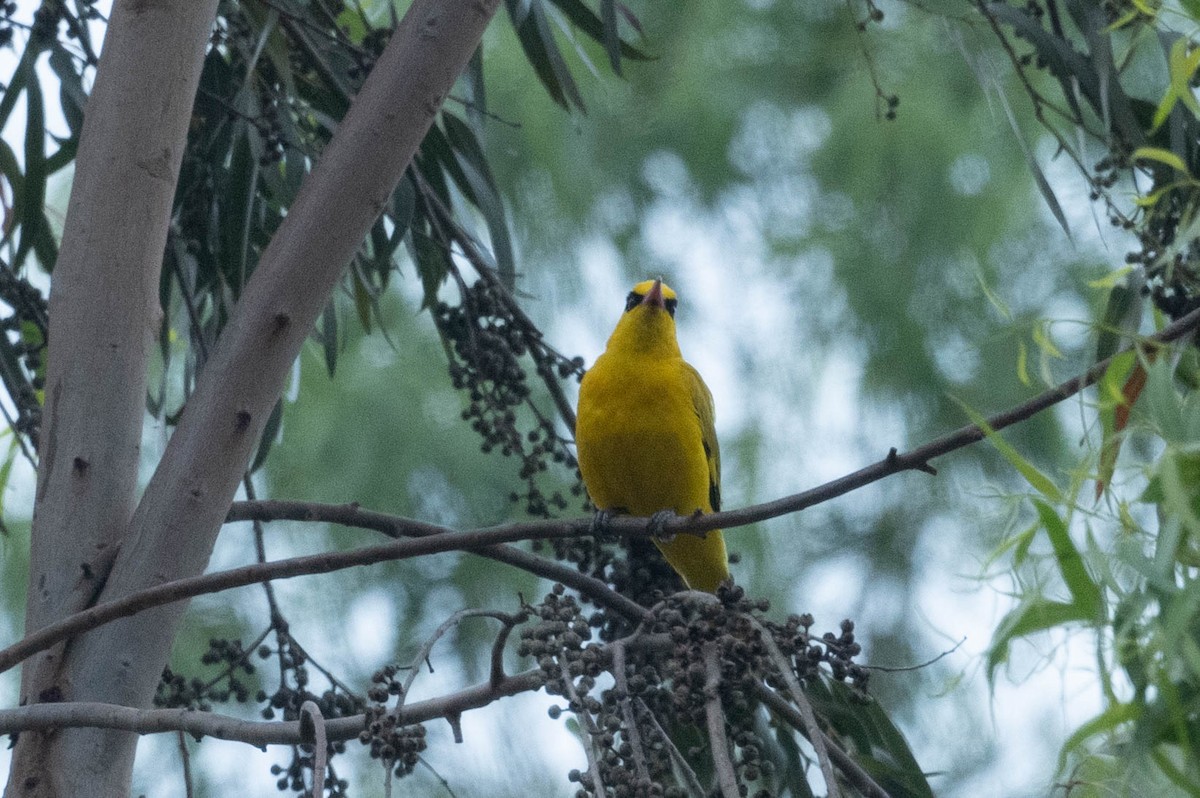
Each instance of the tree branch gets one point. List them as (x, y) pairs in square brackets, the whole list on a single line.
[(811, 729), (440, 539), (313, 729), (352, 515), (714, 715), (918, 459), (46, 717), (621, 684), (190, 587)]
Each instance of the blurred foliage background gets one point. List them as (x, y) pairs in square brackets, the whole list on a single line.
[(861, 249)]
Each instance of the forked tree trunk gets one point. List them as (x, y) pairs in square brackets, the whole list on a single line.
[(175, 525)]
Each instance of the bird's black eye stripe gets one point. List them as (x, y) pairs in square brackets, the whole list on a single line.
[(633, 300), (670, 305)]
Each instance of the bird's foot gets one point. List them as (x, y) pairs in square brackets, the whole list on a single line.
[(658, 522), (602, 522)]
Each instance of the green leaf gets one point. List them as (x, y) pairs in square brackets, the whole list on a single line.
[(21, 75), (612, 34), (329, 336), (475, 170), (879, 746), (1019, 543), (5, 473), (1181, 65), (1085, 592), (1036, 614), (1030, 472), (33, 200), (1023, 363), (362, 300), (1035, 169), (11, 169), (992, 297), (1179, 479), (476, 89), (236, 206), (64, 156), (1161, 156), (1108, 721), (404, 204), (433, 265), (1110, 388), (537, 40), (596, 29), (1122, 316), (269, 434), (71, 95)]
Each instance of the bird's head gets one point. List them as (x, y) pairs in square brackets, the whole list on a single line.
[(648, 324)]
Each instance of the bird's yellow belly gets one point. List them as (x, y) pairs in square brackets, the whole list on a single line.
[(639, 452), (665, 474)]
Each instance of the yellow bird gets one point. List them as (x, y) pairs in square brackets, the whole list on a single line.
[(646, 436)]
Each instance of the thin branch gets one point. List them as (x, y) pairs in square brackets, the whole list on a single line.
[(895, 462), (918, 459), (689, 775), (186, 760), (851, 770), (312, 726), (190, 587), (588, 724), (621, 682), (427, 649), (441, 539), (918, 666), (86, 714), (800, 700), (714, 714), (351, 515)]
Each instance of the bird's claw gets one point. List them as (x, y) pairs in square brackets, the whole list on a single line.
[(602, 522), (658, 522)]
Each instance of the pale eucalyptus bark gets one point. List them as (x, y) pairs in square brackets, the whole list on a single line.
[(103, 315), (175, 525)]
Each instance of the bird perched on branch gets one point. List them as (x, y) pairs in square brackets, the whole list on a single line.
[(646, 437)]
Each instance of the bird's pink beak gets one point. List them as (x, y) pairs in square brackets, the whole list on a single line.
[(655, 296)]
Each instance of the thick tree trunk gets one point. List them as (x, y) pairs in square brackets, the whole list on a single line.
[(103, 314), (176, 523)]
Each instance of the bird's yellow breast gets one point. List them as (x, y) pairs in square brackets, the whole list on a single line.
[(640, 444)]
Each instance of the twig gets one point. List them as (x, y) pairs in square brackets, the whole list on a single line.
[(96, 715), (312, 727), (918, 666), (621, 683), (441, 779), (859, 778), (715, 715), (438, 634), (589, 728), (815, 735), (351, 515), (689, 775), (186, 759), (190, 587)]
